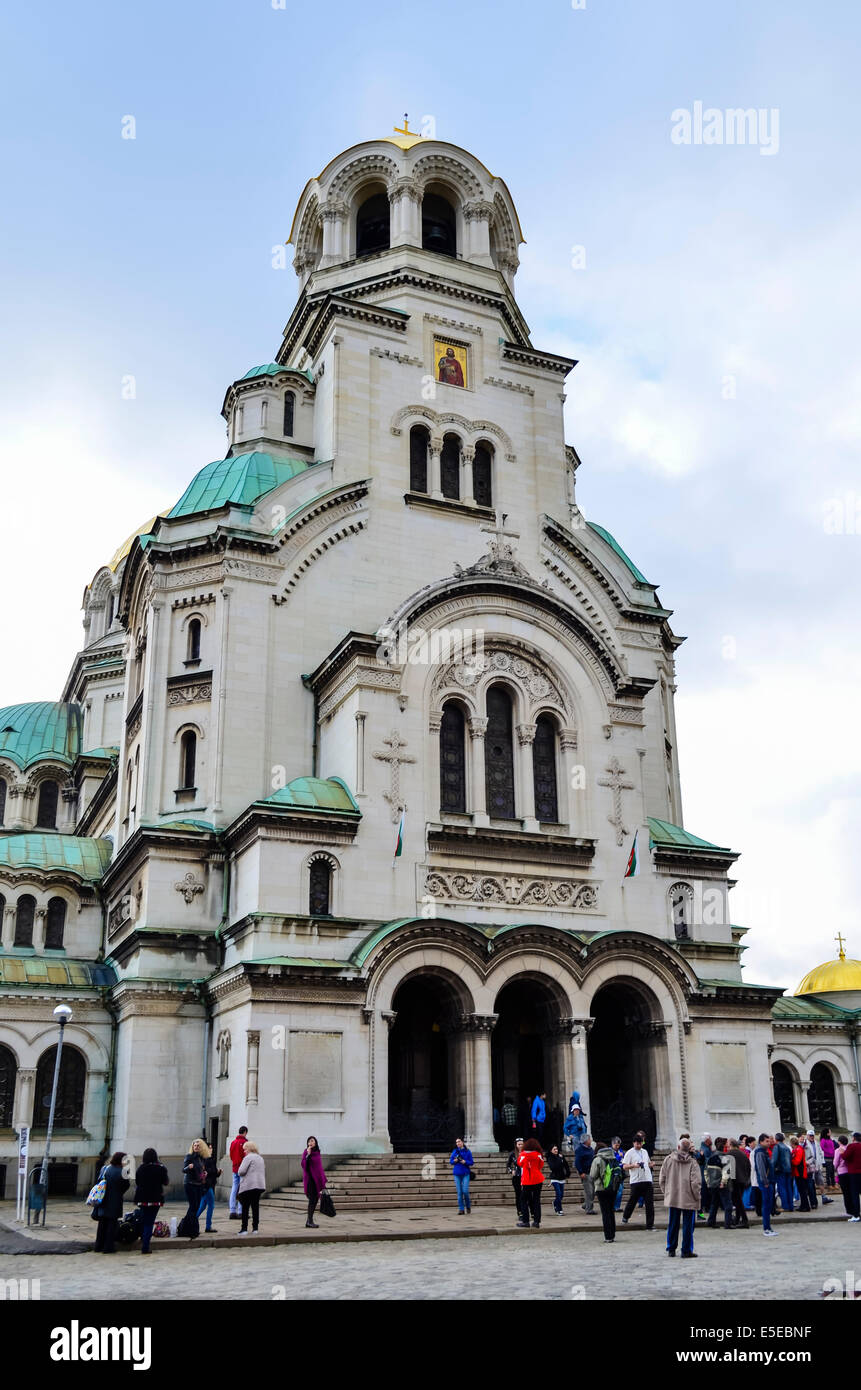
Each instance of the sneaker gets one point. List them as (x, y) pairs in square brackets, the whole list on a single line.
[(211, 1231), (609, 1240), (691, 1255), (854, 1218), (672, 1254), (826, 1201), (523, 1225), (254, 1232), (769, 1233), (624, 1220), (243, 1233)]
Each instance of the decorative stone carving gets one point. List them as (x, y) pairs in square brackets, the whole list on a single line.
[(525, 733), (514, 891), (508, 385), (535, 683), (393, 356), (617, 786), (395, 757), (477, 726), (189, 693), (454, 323), (189, 887)]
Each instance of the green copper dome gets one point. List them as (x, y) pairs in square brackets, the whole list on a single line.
[(45, 731), (240, 480), (272, 369), (316, 794), (86, 858)]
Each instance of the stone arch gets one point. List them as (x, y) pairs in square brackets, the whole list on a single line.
[(309, 238), (349, 183), (321, 856), (440, 421), (450, 173), (786, 1090)]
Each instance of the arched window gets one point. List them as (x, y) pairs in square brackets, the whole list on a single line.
[(69, 1110), (320, 888), (452, 760), (264, 415), (194, 640), (419, 440), (450, 466), (289, 413), (499, 755), (25, 916), (2, 799), (439, 225), (46, 813), (482, 488), (7, 1086), (373, 222), (187, 759), (544, 769), (784, 1096), (681, 904), (55, 924), (821, 1098)]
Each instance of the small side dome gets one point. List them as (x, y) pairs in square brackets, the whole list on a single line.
[(45, 730), (833, 977)]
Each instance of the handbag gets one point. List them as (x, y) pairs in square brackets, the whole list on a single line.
[(327, 1206), (96, 1194)]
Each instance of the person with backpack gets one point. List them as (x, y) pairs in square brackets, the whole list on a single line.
[(559, 1171), (717, 1179), (681, 1185), (252, 1185), (461, 1161), (584, 1157), (607, 1175), (212, 1173), (237, 1153), (531, 1164), (194, 1175), (638, 1166), (616, 1145), (110, 1208), (150, 1181)]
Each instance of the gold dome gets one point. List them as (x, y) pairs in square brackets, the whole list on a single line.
[(833, 976)]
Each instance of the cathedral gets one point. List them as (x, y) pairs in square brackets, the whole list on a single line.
[(359, 813)]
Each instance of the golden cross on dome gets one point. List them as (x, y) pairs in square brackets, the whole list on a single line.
[(841, 942), (406, 130)]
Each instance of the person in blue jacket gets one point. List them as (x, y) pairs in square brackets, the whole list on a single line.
[(461, 1162), (575, 1122), (539, 1115)]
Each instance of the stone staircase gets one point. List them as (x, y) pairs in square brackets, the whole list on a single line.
[(377, 1182)]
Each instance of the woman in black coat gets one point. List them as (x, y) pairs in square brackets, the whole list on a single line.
[(111, 1208), (150, 1181), (559, 1171), (194, 1173)]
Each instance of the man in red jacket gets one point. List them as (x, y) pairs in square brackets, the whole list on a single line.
[(237, 1153)]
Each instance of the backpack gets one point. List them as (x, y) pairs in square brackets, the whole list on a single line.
[(714, 1171), (613, 1177), (189, 1226)]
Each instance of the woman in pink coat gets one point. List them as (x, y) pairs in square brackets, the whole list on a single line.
[(313, 1177)]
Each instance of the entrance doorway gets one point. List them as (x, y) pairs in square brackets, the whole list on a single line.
[(424, 1109), (622, 1079), (521, 1060)]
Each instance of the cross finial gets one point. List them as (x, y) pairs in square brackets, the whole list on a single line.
[(406, 130), (841, 942)]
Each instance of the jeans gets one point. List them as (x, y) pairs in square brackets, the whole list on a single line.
[(829, 1172), (148, 1216), (738, 1191), (207, 1204), (607, 1204), (645, 1190), (461, 1182), (784, 1188), (850, 1198), (530, 1202), (588, 1194), (855, 1189), (687, 1219), (720, 1198), (558, 1193), (518, 1201), (811, 1192), (619, 1195), (234, 1194), (767, 1204), (250, 1201)]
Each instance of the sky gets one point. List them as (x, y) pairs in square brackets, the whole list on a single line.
[(710, 292)]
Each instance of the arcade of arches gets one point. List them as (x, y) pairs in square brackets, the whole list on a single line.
[(450, 1070)]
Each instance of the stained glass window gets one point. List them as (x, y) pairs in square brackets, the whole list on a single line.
[(481, 471), (418, 459), (499, 755), (452, 760), (450, 466), (544, 769)]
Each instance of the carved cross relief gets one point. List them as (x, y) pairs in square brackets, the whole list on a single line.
[(395, 757), (617, 786)]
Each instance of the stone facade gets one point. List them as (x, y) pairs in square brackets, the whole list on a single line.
[(317, 631)]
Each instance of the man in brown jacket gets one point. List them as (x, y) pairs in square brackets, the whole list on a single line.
[(681, 1184)]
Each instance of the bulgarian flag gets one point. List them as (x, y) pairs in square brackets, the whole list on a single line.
[(399, 844), (632, 868)]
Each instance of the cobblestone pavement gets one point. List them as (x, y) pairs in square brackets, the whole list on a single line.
[(526, 1265)]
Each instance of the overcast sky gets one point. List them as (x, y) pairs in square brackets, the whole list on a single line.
[(710, 292)]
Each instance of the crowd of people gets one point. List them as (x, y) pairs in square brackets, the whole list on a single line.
[(722, 1177), (200, 1174)]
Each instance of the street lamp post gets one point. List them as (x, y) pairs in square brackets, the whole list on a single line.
[(62, 1014)]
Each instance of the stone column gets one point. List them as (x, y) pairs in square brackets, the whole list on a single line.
[(379, 1027), (405, 202), (69, 799), (525, 739), (565, 790), (361, 716), (7, 926), (467, 456), (573, 1060), (804, 1116), (433, 771), (477, 215), (39, 928), (479, 1106), (435, 467), (477, 731), (334, 217)]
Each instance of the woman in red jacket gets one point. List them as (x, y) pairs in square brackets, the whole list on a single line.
[(531, 1164), (799, 1173)]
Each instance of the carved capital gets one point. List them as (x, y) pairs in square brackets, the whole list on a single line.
[(478, 210), (477, 726), (405, 188), (568, 740), (525, 733)]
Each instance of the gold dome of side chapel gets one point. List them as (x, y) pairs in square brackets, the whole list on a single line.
[(833, 976)]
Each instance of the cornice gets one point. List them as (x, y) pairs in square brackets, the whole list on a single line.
[(561, 851)]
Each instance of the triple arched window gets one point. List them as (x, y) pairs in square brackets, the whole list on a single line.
[(463, 475), (515, 773)]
